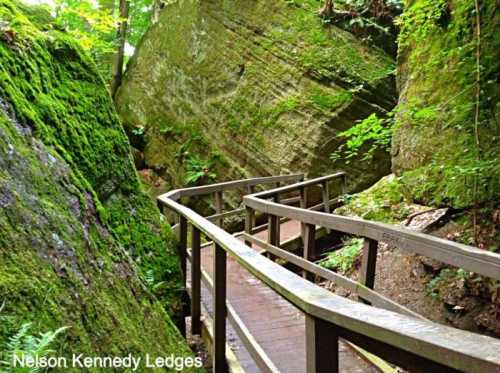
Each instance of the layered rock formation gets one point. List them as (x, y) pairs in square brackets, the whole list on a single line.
[(242, 87), (446, 154), (76, 231)]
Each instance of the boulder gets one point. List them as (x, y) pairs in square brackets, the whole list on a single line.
[(250, 88), (77, 233)]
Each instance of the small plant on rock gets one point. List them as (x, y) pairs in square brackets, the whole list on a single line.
[(343, 260)]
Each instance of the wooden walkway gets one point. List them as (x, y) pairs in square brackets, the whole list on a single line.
[(289, 324), (277, 325)]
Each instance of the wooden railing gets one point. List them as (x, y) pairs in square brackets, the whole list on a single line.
[(399, 337)]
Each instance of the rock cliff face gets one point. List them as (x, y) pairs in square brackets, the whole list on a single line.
[(73, 218), (251, 88), (445, 154)]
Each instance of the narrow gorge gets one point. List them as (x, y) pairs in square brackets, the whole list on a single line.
[(354, 139)]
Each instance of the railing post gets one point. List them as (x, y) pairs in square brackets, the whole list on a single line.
[(325, 192), (322, 346), (303, 205), (309, 247), (272, 230), (249, 223), (369, 264), (278, 225), (250, 189), (219, 332), (183, 232), (219, 208), (343, 184), (195, 282)]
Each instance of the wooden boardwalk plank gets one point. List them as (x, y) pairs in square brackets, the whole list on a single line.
[(276, 324)]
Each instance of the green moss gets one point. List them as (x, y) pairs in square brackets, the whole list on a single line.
[(435, 143), (327, 101), (72, 202), (344, 259), (289, 82), (387, 201)]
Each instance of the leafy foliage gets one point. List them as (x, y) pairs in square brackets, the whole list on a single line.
[(344, 259), (419, 20), (94, 24), (23, 344), (372, 15), (94, 28), (198, 169), (445, 275), (455, 162), (374, 131)]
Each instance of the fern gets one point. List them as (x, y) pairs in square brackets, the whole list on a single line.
[(198, 169), (22, 343)]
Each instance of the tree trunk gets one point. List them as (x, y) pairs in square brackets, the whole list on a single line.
[(327, 9), (120, 51), (105, 61)]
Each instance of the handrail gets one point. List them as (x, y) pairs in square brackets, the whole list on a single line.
[(306, 183), (414, 344), (228, 185), (366, 293), (467, 257)]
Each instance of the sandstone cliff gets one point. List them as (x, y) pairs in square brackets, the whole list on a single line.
[(446, 155), (243, 87)]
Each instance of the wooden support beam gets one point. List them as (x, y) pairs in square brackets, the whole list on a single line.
[(343, 184), (219, 207), (309, 248), (249, 223), (278, 225), (325, 192), (250, 189), (183, 232), (220, 311), (175, 221), (272, 230), (369, 264), (195, 282), (322, 346), (303, 205)]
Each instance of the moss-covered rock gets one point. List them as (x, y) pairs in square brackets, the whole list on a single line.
[(73, 217), (252, 88), (445, 155)]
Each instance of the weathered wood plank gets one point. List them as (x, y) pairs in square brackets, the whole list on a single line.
[(373, 297), (255, 350), (470, 258), (175, 195), (369, 263), (298, 186), (195, 282), (220, 293), (322, 346)]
